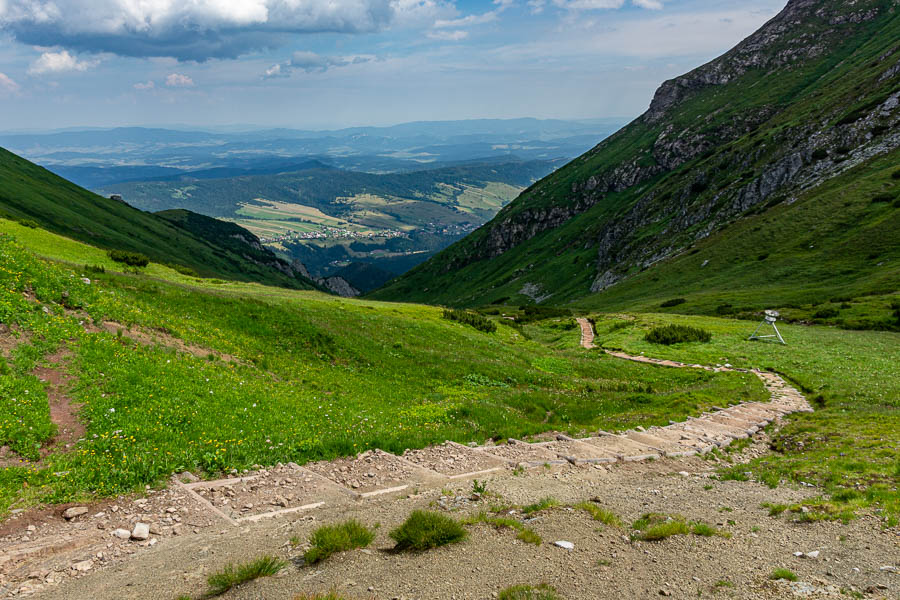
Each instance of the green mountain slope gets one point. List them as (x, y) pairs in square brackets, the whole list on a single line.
[(795, 130), (209, 247)]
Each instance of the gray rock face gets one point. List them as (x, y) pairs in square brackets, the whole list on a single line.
[(339, 286)]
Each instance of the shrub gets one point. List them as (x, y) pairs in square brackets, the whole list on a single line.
[(529, 592), (132, 259), (474, 319), (328, 539), (234, 575), (820, 154), (423, 530), (29, 223), (896, 174), (672, 302), (676, 334), (724, 309), (826, 313), (887, 197), (783, 574)]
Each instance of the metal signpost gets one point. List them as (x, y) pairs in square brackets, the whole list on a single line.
[(770, 317)]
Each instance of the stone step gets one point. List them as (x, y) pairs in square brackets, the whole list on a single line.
[(663, 446)]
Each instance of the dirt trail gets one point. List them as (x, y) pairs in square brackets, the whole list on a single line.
[(197, 526)]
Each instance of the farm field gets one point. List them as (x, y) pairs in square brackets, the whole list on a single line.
[(246, 375)]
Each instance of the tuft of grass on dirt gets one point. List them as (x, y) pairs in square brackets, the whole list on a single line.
[(332, 595), (785, 574), (328, 539), (424, 530), (601, 514), (542, 504), (234, 575), (529, 592), (653, 527), (524, 533)]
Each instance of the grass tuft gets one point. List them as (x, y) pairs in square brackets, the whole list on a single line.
[(529, 592), (235, 575), (600, 514), (423, 530), (542, 504), (328, 539), (783, 574)]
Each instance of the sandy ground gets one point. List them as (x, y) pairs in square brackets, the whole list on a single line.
[(603, 564)]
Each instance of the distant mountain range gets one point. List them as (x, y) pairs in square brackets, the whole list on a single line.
[(100, 157)]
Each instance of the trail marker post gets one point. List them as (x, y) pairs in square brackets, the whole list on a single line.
[(769, 318)]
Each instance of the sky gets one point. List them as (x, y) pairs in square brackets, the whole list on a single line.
[(318, 64)]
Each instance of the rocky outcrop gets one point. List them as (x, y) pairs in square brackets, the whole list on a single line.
[(339, 286)]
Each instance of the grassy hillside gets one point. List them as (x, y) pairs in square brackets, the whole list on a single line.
[(291, 375), (778, 142), (31, 193)]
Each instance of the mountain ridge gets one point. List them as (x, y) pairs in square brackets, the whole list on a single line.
[(772, 117)]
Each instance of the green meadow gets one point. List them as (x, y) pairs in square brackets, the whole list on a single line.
[(293, 375)]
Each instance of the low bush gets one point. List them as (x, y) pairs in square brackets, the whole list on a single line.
[(423, 530), (885, 197), (820, 154), (479, 322), (132, 259), (531, 313), (672, 302), (896, 174), (529, 592), (329, 539), (234, 575), (676, 334)]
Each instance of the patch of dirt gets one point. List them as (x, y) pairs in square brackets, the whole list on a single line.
[(63, 411), (10, 338)]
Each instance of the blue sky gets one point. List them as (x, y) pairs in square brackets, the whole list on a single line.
[(334, 63)]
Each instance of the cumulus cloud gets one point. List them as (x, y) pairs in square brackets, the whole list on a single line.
[(142, 86), (197, 29), (59, 62), (178, 80), (7, 86), (311, 62), (648, 4)]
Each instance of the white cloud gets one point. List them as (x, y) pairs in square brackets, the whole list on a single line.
[(179, 80), (648, 4), (7, 86), (149, 85), (449, 36), (312, 62), (59, 62)]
